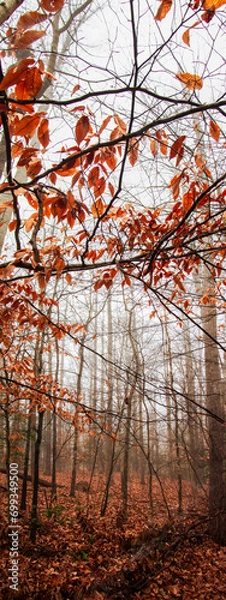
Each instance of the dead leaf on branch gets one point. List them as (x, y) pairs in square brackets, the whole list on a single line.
[(176, 148), (29, 19), (26, 126), (22, 42), (15, 73), (133, 151), (33, 82), (52, 6), (81, 129), (192, 82), (163, 9), (213, 4), (215, 131), (186, 34)]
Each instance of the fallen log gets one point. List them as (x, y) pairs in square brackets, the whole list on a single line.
[(42, 482)]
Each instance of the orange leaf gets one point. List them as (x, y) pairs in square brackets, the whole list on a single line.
[(20, 90), (111, 160), (34, 168), (29, 223), (20, 93), (175, 185), (59, 264), (68, 278), (32, 200), (98, 285), (133, 151), (33, 82), (43, 133), (75, 89), (192, 82), (12, 225), (153, 147), (208, 15), (178, 282), (41, 281), (28, 38), (99, 187), (111, 188), (26, 156), (186, 34), (200, 163), (98, 208), (81, 129), (14, 73), (69, 168), (213, 4), (163, 139), (27, 125), (215, 131), (29, 19), (93, 176), (186, 37), (163, 9), (52, 5), (104, 124), (116, 132), (53, 178), (187, 200), (176, 147), (121, 124)]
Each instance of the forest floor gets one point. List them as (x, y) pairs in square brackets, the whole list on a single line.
[(79, 555)]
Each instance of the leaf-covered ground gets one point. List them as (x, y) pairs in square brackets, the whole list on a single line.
[(80, 555)]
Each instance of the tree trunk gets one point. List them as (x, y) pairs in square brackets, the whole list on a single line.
[(26, 466), (76, 428), (7, 8), (217, 442), (34, 510)]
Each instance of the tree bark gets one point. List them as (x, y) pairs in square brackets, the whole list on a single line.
[(7, 8), (217, 442)]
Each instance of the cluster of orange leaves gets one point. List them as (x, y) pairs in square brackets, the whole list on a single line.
[(89, 166)]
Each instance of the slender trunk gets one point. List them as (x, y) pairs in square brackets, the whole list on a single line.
[(217, 441), (74, 460), (109, 451), (54, 456), (34, 510), (125, 473), (26, 466), (176, 424), (76, 427), (111, 464)]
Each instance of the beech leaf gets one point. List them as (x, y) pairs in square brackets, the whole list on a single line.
[(176, 146), (43, 133), (33, 82), (213, 4), (186, 37), (52, 6), (26, 125), (163, 9), (28, 38), (192, 82), (29, 19), (81, 129), (14, 73), (215, 131)]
